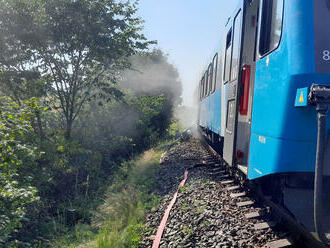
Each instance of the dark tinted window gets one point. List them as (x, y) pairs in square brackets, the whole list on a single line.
[(215, 72), (210, 78), (322, 36), (327, 2), (236, 46), (226, 75), (271, 25), (230, 116), (203, 87), (206, 82)]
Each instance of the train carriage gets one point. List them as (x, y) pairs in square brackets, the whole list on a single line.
[(255, 100)]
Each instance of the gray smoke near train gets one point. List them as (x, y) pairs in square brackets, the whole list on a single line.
[(151, 92), (152, 74)]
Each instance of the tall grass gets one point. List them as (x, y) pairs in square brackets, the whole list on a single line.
[(118, 222), (125, 229), (126, 203), (120, 219)]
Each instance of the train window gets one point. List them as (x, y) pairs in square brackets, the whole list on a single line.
[(226, 75), (203, 87), (271, 25), (236, 46), (230, 116), (210, 78), (215, 71), (206, 83)]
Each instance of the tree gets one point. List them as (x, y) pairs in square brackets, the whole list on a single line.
[(75, 46)]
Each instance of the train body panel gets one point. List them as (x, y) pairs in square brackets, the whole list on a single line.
[(210, 106), (283, 137), (216, 111), (210, 112)]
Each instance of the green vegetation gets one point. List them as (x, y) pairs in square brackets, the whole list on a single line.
[(79, 97), (118, 222), (182, 189), (17, 155), (205, 223), (187, 232), (127, 203), (184, 206), (199, 206)]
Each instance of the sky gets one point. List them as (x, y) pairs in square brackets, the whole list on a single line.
[(189, 31)]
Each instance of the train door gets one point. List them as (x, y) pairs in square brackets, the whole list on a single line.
[(231, 80), (248, 68)]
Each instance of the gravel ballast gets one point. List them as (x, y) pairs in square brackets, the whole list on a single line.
[(204, 215)]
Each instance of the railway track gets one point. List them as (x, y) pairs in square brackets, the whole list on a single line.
[(270, 215), (216, 209), (259, 215)]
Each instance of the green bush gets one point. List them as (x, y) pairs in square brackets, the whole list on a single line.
[(17, 155)]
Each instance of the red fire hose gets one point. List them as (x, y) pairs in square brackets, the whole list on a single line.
[(167, 213)]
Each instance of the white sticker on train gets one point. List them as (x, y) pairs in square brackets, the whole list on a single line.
[(262, 139)]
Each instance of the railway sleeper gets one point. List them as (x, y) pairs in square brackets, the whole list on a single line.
[(211, 163), (227, 182), (218, 169), (264, 225), (233, 188), (218, 173), (237, 195), (245, 203), (279, 243), (219, 166), (223, 176), (254, 215), (208, 157)]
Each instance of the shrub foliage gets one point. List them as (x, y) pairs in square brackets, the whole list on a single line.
[(17, 154)]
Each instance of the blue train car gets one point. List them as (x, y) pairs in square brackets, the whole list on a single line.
[(256, 106), (288, 142)]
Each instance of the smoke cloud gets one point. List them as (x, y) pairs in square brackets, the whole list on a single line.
[(152, 74)]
